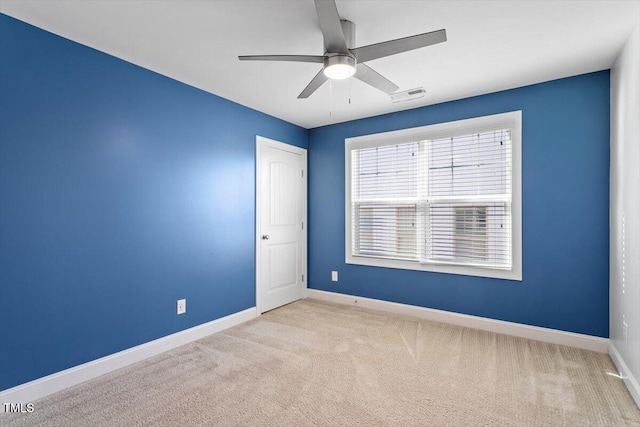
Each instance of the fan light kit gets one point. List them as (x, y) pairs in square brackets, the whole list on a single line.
[(339, 67), (342, 59)]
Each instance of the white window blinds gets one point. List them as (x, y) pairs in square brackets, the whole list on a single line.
[(445, 200), (385, 194)]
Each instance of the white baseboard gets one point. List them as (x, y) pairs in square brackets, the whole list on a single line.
[(536, 333), (625, 373), (37, 389)]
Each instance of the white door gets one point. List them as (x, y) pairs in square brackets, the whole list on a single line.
[(280, 224)]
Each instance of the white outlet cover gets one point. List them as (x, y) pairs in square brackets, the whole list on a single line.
[(334, 276), (182, 306)]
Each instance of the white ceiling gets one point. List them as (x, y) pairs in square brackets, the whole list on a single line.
[(492, 45)]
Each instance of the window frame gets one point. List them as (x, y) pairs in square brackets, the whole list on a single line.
[(511, 120)]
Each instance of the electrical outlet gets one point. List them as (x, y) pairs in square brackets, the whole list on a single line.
[(182, 306), (334, 276)]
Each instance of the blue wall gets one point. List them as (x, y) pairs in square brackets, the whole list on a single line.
[(121, 192), (565, 176)]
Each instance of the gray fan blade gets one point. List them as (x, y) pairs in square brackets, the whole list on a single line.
[(334, 41), (373, 78), (380, 50), (313, 85), (291, 58)]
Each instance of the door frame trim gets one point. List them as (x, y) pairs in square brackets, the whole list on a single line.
[(262, 142)]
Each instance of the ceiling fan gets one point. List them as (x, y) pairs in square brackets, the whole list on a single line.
[(342, 59)]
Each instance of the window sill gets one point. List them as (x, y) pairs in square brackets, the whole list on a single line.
[(514, 274)]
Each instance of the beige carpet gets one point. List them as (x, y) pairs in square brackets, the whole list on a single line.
[(314, 363)]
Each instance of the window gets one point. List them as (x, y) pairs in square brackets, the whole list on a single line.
[(442, 198)]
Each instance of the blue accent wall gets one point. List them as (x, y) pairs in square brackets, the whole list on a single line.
[(565, 184), (121, 191)]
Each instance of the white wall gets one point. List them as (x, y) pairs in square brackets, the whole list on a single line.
[(625, 214)]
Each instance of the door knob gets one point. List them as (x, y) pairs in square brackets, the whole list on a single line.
[(265, 237)]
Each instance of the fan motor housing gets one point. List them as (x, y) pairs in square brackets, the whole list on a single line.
[(340, 59)]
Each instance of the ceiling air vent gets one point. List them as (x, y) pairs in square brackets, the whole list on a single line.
[(408, 95)]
